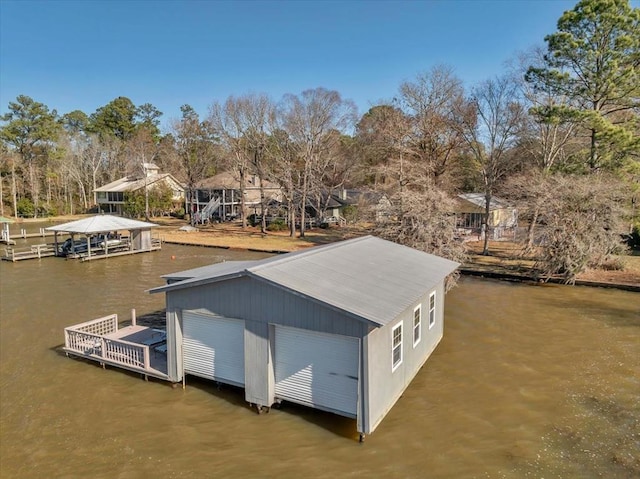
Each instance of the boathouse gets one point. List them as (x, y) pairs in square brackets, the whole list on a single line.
[(102, 236), (343, 327)]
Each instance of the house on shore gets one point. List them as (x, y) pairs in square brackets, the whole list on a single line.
[(470, 211), (218, 197), (111, 197), (334, 205), (343, 327)]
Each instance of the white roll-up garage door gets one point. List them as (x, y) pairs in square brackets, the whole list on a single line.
[(213, 347), (317, 369)]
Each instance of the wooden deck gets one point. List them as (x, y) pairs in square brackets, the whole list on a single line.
[(35, 251), (135, 348), (102, 253), (43, 250)]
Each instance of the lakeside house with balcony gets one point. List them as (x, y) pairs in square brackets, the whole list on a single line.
[(111, 197)]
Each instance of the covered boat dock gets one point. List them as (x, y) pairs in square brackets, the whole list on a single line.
[(103, 236)]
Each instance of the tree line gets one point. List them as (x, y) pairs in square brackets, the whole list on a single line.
[(557, 133)]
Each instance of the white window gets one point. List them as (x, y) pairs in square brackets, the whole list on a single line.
[(432, 309), (396, 350), (417, 325)]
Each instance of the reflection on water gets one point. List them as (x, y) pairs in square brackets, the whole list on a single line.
[(529, 381)]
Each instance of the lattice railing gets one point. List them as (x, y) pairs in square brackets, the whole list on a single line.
[(101, 326)]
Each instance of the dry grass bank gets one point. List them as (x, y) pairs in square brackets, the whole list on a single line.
[(507, 257), (232, 235)]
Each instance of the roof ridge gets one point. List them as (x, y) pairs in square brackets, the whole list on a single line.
[(305, 253)]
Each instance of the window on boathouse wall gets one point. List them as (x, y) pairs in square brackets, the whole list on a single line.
[(432, 309), (417, 325), (396, 351)]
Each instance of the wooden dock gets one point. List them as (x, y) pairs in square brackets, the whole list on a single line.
[(101, 253), (35, 251), (135, 348), (42, 233)]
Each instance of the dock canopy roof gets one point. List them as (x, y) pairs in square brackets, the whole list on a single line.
[(101, 224), (368, 277)]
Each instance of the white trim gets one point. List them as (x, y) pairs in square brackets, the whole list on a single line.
[(432, 310), (394, 346), (417, 326)]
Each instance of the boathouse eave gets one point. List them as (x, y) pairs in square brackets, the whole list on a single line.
[(246, 273), (201, 281)]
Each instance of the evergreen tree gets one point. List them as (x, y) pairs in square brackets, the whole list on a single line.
[(594, 60)]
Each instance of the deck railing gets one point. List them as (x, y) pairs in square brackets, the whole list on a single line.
[(86, 338), (85, 343), (89, 339), (124, 352)]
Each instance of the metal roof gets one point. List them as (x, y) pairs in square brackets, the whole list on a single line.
[(478, 199), (101, 224), (134, 183), (368, 277), (212, 270)]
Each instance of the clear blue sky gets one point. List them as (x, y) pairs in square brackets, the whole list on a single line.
[(82, 54)]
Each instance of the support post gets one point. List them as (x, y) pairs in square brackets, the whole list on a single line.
[(133, 316)]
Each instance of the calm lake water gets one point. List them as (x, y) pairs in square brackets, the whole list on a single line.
[(529, 381)]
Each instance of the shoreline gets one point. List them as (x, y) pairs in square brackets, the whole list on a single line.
[(521, 278), (248, 241), (504, 262)]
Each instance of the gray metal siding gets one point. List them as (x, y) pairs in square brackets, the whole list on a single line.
[(385, 386), (248, 299), (174, 348), (257, 363)]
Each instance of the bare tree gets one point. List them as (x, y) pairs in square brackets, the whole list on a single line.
[(491, 133), (283, 166), (426, 224), (548, 133), (582, 224), (241, 124), (260, 113), (195, 145), (432, 102), (379, 135), (548, 138), (308, 120), (142, 150)]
